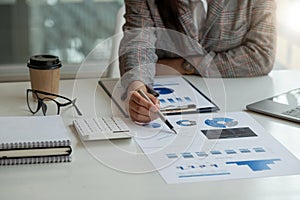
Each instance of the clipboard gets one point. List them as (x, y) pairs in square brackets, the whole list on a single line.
[(176, 95)]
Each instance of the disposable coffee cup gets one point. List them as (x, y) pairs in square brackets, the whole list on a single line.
[(45, 73)]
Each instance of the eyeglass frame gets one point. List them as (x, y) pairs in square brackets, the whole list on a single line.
[(43, 105)]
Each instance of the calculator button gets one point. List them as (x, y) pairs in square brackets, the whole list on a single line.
[(101, 128)]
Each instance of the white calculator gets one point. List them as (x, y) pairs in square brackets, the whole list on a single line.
[(102, 128)]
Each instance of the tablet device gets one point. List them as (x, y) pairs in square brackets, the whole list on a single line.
[(176, 95), (285, 106)]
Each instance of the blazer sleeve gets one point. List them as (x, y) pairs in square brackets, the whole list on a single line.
[(137, 54), (255, 56)]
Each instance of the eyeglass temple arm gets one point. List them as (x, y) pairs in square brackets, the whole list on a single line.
[(76, 108)]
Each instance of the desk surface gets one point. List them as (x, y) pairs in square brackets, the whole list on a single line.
[(111, 178)]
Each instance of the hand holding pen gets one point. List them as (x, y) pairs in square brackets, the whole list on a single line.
[(139, 109), (161, 116)]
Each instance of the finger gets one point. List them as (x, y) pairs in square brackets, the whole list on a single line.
[(141, 113), (154, 100), (139, 117), (139, 109), (141, 101), (135, 102)]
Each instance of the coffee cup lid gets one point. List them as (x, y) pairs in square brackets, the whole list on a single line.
[(44, 62)]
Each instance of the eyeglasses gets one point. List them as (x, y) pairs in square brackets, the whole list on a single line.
[(50, 103)]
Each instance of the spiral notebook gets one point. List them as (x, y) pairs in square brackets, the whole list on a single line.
[(30, 140)]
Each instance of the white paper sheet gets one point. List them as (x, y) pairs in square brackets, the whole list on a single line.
[(176, 92), (190, 156), (176, 95)]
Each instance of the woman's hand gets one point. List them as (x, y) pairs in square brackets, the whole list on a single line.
[(139, 109)]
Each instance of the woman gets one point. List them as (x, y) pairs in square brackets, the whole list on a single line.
[(238, 36)]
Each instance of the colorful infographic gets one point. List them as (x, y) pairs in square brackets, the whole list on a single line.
[(177, 94), (211, 147)]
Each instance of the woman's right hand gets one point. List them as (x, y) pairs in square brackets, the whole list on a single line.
[(140, 110)]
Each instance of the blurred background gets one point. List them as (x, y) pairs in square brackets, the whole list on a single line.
[(70, 29)]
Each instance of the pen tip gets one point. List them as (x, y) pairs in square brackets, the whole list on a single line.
[(174, 131)]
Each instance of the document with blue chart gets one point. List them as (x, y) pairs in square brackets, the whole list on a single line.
[(176, 95), (214, 146)]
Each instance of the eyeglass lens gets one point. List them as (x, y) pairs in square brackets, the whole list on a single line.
[(32, 102), (50, 103), (45, 106)]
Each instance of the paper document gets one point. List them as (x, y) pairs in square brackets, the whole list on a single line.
[(214, 147), (176, 95)]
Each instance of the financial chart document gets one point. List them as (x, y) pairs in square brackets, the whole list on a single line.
[(176, 95), (214, 146)]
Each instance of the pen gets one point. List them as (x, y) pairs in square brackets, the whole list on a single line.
[(161, 116)]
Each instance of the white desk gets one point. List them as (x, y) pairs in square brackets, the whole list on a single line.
[(88, 178)]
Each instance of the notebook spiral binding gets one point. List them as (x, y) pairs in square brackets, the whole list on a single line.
[(30, 145), (33, 145), (36, 160)]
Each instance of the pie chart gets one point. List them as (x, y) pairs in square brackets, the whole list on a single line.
[(163, 90), (221, 122)]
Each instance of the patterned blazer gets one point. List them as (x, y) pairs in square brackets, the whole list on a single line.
[(239, 38)]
